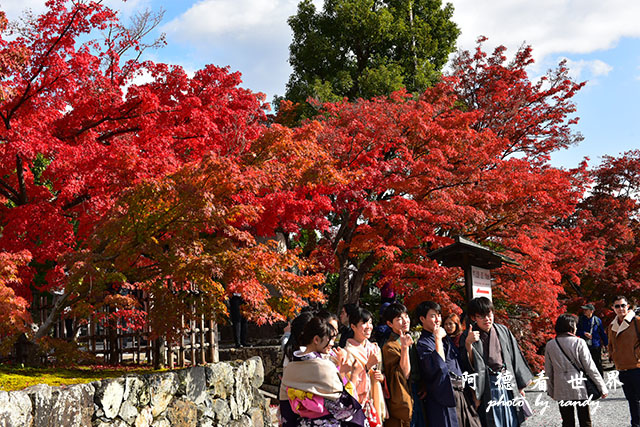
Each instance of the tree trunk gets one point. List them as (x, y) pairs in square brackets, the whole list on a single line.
[(27, 349), (343, 284), (159, 359), (59, 303), (357, 282)]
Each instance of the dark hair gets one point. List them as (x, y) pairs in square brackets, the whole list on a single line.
[(383, 307), (392, 311), (480, 306), (349, 308), (297, 326), (358, 315), (621, 297), (327, 316), (455, 319), (423, 308), (316, 327), (566, 323)]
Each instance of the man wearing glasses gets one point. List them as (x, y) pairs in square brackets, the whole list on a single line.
[(624, 349)]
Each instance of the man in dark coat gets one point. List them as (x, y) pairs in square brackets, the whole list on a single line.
[(590, 328), (493, 354), (445, 403), (345, 330)]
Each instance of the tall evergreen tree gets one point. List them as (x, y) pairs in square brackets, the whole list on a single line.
[(364, 48)]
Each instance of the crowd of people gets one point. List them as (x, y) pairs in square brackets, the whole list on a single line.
[(467, 371)]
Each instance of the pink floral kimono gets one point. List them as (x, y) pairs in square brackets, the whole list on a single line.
[(368, 391)]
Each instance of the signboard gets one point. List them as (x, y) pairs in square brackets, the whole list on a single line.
[(481, 282)]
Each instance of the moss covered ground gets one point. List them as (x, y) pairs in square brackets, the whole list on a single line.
[(17, 377)]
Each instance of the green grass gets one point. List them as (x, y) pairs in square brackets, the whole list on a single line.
[(17, 378)]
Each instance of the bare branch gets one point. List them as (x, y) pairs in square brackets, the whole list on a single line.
[(22, 197)]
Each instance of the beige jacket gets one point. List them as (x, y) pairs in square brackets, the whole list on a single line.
[(560, 371), (624, 348)]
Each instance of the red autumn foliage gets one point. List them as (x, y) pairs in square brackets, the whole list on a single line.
[(175, 187), (77, 131), (607, 221), (469, 157)]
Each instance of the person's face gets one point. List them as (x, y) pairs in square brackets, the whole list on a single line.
[(484, 322), (588, 312), (362, 330), (621, 308), (344, 318), (450, 326), (400, 324), (431, 321), (334, 324), (323, 344)]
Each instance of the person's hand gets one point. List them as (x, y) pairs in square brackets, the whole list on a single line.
[(440, 333), (522, 392), (288, 327), (406, 340), (605, 395), (588, 335), (373, 360), (341, 355), (472, 337), (377, 375)]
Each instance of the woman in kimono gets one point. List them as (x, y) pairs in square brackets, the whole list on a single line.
[(362, 367), (313, 385)]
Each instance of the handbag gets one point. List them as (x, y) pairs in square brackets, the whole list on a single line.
[(592, 389)]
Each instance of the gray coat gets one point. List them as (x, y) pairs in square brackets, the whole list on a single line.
[(511, 356), (514, 363), (559, 369)]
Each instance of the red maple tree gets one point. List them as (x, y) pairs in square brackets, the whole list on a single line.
[(607, 221), (77, 131), (468, 157)]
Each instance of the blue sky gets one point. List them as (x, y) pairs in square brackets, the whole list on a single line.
[(600, 40)]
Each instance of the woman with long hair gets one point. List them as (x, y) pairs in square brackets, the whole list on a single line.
[(454, 328), (285, 414), (313, 386)]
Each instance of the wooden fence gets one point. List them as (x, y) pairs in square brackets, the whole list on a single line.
[(117, 345)]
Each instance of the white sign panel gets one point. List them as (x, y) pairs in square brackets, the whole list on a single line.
[(481, 281)]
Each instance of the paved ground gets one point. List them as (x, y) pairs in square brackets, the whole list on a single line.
[(612, 411)]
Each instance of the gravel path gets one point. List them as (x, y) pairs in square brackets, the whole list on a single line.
[(610, 412)]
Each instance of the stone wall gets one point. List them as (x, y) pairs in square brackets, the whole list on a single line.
[(271, 357), (219, 394)]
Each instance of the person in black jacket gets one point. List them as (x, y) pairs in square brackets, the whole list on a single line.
[(590, 328), (345, 328), (238, 321)]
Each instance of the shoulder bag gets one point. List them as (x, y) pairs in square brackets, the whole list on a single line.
[(592, 389)]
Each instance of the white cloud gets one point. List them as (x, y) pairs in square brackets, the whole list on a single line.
[(15, 8), (582, 69), (237, 19), (549, 26)]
